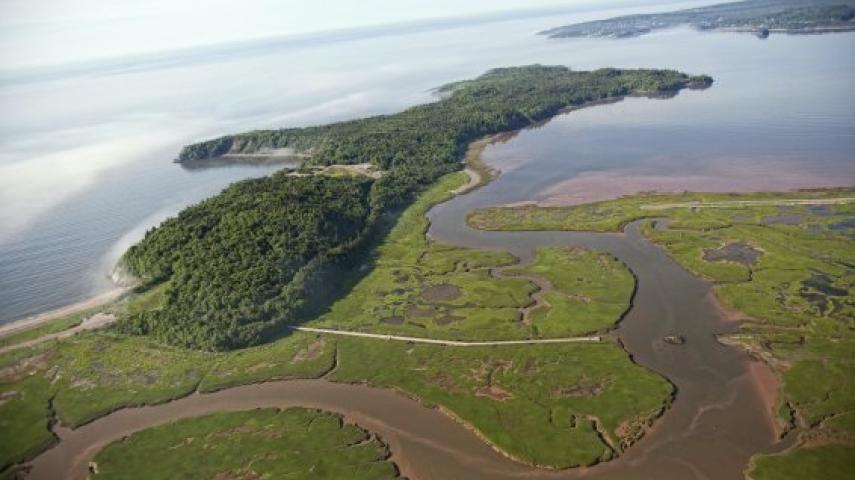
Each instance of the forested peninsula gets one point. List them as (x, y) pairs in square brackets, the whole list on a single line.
[(238, 267)]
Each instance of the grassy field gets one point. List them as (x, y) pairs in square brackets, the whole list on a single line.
[(788, 269), (589, 292), (542, 404), (92, 374), (612, 215), (268, 443), (426, 289)]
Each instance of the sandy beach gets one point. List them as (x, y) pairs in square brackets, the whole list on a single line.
[(36, 320)]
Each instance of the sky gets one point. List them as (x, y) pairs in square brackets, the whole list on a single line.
[(35, 33)]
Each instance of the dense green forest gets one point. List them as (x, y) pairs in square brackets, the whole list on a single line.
[(238, 266), (233, 263)]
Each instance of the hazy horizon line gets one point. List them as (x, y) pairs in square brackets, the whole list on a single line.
[(181, 56)]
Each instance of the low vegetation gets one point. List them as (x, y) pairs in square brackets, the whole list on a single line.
[(421, 288), (785, 262), (613, 215), (557, 405), (554, 405), (268, 443), (588, 291), (24, 418), (55, 326)]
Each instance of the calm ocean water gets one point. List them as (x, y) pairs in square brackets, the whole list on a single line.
[(86, 153)]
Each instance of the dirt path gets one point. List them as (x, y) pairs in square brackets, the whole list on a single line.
[(538, 297), (448, 343)]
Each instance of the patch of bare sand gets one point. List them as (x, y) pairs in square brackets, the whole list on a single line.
[(474, 180)]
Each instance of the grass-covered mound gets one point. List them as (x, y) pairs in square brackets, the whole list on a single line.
[(784, 260), (243, 263), (268, 443)]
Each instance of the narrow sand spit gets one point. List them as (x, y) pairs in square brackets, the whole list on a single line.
[(95, 321), (34, 321)]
